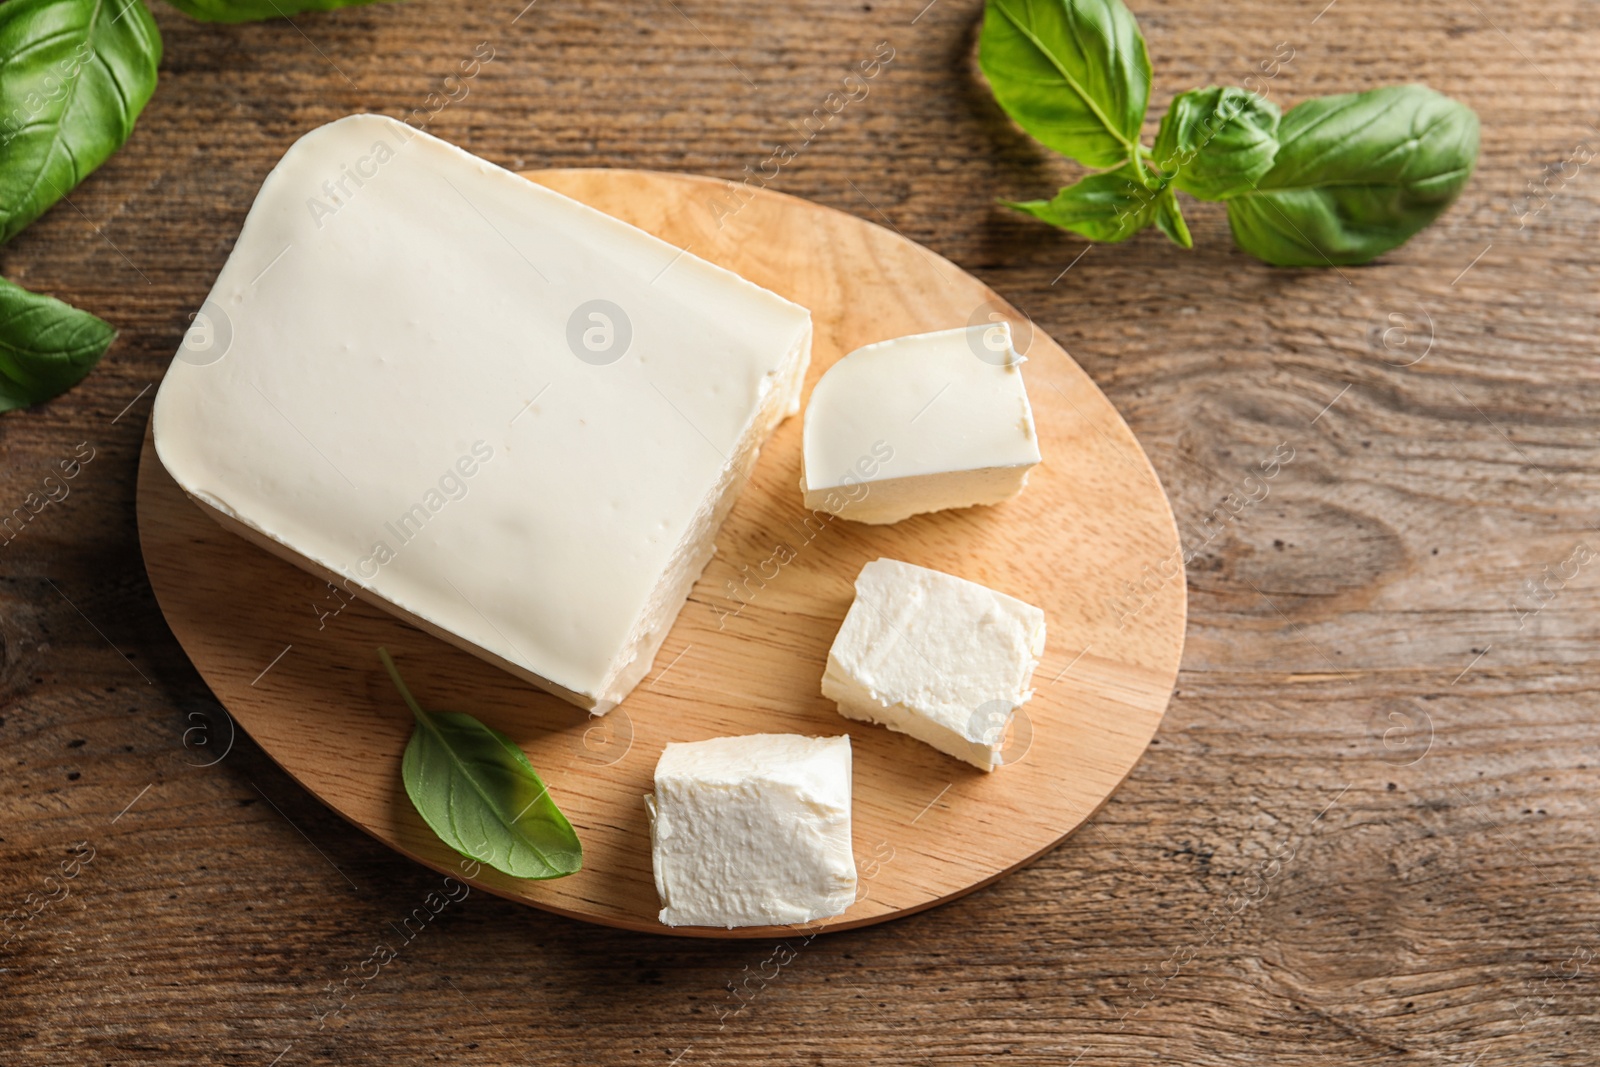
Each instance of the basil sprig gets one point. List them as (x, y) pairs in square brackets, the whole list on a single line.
[(1337, 180), (1356, 175), (475, 788), (1217, 142), (1074, 75), (74, 76), (1111, 206), (46, 346)]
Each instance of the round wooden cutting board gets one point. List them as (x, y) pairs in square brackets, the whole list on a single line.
[(1091, 541)]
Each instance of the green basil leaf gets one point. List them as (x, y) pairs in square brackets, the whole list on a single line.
[(46, 346), (476, 789), (74, 75), (1170, 220), (1073, 73), (1112, 206), (1357, 175), (1217, 142), (255, 10)]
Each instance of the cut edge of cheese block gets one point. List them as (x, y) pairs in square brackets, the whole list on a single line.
[(777, 397), (858, 703), (699, 543), (948, 409), (805, 873), (883, 502)]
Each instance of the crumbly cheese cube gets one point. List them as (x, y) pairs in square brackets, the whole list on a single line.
[(928, 654), (753, 831), (917, 424)]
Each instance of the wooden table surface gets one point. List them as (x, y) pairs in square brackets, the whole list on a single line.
[(1367, 829)]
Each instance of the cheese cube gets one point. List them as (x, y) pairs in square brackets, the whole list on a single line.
[(928, 654), (921, 423), (753, 831), (507, 418)]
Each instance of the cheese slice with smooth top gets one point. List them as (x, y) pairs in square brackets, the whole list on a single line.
[(918, 424), (753, 831), (508, 418), (943, 659)]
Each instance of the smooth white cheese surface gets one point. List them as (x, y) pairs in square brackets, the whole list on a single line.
[(753, 831), (401, 378), (917, 424), (928, 654)]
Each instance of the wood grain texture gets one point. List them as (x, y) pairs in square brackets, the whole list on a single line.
[(1335, 632), (746, 654)]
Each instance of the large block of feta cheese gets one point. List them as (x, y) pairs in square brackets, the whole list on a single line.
[(509, 419), (753, 831), (917, 424), (928, 654)]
